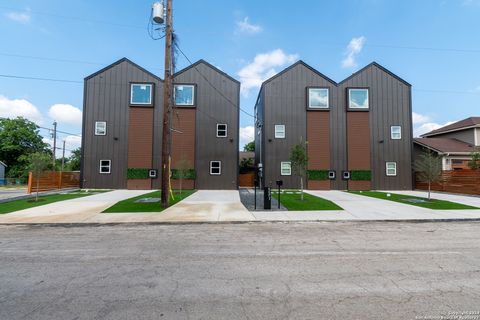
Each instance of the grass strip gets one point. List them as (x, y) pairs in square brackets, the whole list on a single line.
[(16, 205), (292, 201), (130, 205), (433, 204)]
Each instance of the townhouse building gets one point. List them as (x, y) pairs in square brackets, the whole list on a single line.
[(358, 131), (122, 128)]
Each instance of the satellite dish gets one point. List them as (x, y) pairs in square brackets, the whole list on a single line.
[(157, 12)]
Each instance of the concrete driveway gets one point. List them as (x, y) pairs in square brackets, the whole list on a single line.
[(71, 211), (202, 206), (10, 193)]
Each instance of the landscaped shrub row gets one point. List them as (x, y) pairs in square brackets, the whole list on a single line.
[(361, 175), (317, 175), (141, 173)]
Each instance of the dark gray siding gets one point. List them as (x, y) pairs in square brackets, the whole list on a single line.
[(286, 103), (390, 105), (213, 107), (467, 136), (107, 98)]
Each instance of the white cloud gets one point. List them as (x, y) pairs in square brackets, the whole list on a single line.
[(247, 27), (71, 143), (263, 66), (19, 108), (427, 127), (247, 134), (419, 118), (21, 17), (353, 49), (471, 2), (66, 114)]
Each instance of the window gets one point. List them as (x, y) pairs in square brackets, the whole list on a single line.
[(105, 166), (318, 98), (280, 131), (358, 99), (100, 128), (184, 95), (215, 168), (286, 168), (221, 130), (391, 168), (396, 132), (141, 93)]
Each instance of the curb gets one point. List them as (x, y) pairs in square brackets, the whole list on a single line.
[(171, 223)]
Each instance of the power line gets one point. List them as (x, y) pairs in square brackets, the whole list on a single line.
[(38, 78), (215, 88)]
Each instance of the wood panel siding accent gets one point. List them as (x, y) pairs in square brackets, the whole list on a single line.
[(140, 144), (359, 185), (319, 185), (187, 184), (318, 138), (139, 184), (358, 141), (183, 137)]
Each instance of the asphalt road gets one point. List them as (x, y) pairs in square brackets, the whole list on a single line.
[(241, 271)]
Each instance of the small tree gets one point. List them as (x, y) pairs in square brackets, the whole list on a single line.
[(249, 147), (246, 165), (183, 169), (39, 162), (429, 169), (299, 162), (474, 164)]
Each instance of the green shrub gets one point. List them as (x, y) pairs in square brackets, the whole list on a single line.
[(317, 175), (361, 175), (137, 173), (188, 174)]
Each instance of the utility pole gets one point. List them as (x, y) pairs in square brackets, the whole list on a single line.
[(167, 99), (54, 142), (63, 155)]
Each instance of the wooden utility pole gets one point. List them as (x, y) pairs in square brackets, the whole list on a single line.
[(54, 143), (63, 155), (167, 100)]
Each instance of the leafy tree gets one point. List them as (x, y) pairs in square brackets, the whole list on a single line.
[(429, 169), (39, 162), (299, 162), (249, 147), (474, 164), (246, 165), (19, 138), (182, 171), (73, 163)]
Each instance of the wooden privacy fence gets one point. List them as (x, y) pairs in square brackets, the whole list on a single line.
[(246, 179), (53, 180), (455, 181)]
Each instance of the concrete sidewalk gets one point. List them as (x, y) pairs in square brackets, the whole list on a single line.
[(225, 206)]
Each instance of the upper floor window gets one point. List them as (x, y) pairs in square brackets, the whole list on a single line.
[(279, 131), (105, 166), (396, 132), (221, 130), (318, 98), (141, 93), (184, 95), (391, 168), (100, 128), (358, 99)]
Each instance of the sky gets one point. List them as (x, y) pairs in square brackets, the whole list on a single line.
[(432, 44)]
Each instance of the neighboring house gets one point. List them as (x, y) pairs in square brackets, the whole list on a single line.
[(454, 143), (360, 128), (3, 167), (122, 127)]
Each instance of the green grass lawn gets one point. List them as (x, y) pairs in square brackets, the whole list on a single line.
[(129, 205), (293, 202), (432, 204), (15, 205)]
